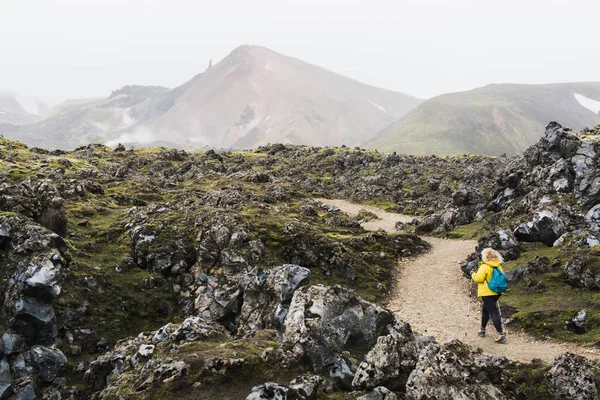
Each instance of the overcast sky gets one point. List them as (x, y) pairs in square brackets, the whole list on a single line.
[(58, 49)]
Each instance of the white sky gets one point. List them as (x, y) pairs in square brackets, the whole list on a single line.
[(57, 49)]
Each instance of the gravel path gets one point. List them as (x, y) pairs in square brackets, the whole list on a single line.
[(432, 295)]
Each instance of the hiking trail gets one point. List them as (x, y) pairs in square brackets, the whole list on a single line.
[(432, 295)]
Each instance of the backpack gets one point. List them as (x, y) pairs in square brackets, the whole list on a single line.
[(498, 282)]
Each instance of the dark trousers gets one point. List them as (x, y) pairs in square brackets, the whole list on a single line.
[(490, 309)]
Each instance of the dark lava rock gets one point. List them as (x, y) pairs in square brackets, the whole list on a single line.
[(546, 227), (582, 272), (48, 361)]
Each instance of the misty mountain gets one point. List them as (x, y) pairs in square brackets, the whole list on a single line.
[(252, 97), (257, 96), (18, 109), (78, 122), (492, 120)]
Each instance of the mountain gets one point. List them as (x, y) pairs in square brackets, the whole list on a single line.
[(18, 109), (256, 96), (253, 96), (495, 119), (81, 121)]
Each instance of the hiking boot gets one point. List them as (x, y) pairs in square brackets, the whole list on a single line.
[(501, 339), (481, 333)]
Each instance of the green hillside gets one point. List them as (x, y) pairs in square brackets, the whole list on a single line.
[(492, 120)]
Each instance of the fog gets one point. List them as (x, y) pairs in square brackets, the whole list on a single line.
[(85, 48)]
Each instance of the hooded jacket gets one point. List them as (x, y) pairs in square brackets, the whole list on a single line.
[(483, 276)]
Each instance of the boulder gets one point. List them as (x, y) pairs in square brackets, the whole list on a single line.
[(379, 393), (6, 388), (301, 388), (41, 278), (390, 361), (429, 224), (10, 343), (503, 241), (326, 321), (219, 302), (27, 393), (31, 318), (571, 377), (270, 391), (453, 370), (587, 182), (267, 296), (48, 361), (580, 271), (556, 143), (546, 227), (191, 329), (561, 176)]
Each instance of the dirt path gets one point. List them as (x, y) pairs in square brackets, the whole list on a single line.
[(431, 294)]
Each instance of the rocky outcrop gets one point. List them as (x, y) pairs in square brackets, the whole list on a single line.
[(322, 322), (48, 361), (571, 378), (503, 241), (267, 296), (390, 361), (301, 388), (546, 227), (28, 301), (454, 371), (582, 272)]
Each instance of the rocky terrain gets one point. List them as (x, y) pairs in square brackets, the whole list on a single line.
[(157, 273)]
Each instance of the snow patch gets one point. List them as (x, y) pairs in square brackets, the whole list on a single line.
[(590, 104), (29, 105), (377, 105)]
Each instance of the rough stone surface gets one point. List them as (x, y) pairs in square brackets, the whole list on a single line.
[(571, 378), (452, 371), (390, 361)]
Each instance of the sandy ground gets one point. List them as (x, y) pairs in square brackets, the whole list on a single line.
[(432, 295)]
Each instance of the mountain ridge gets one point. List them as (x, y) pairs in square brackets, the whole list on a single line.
[(491, 120), (252, 97)]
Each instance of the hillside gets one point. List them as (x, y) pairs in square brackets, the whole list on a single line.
[(252, 97), (17, 110), (81, 121), (491, 120)]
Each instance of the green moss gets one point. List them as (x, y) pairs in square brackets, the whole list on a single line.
[(236, 382), (530, 380), (471, 231), (120, 303), (544, 306), (383, 204)]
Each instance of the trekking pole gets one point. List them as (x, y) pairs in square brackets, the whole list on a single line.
[(500, 314), (469, 307)]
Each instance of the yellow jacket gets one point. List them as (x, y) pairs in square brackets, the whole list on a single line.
[(483, 276)]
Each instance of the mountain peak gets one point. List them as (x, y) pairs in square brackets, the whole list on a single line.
[(252, 97)]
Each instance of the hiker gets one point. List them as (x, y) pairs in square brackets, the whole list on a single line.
[(491, 260)]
